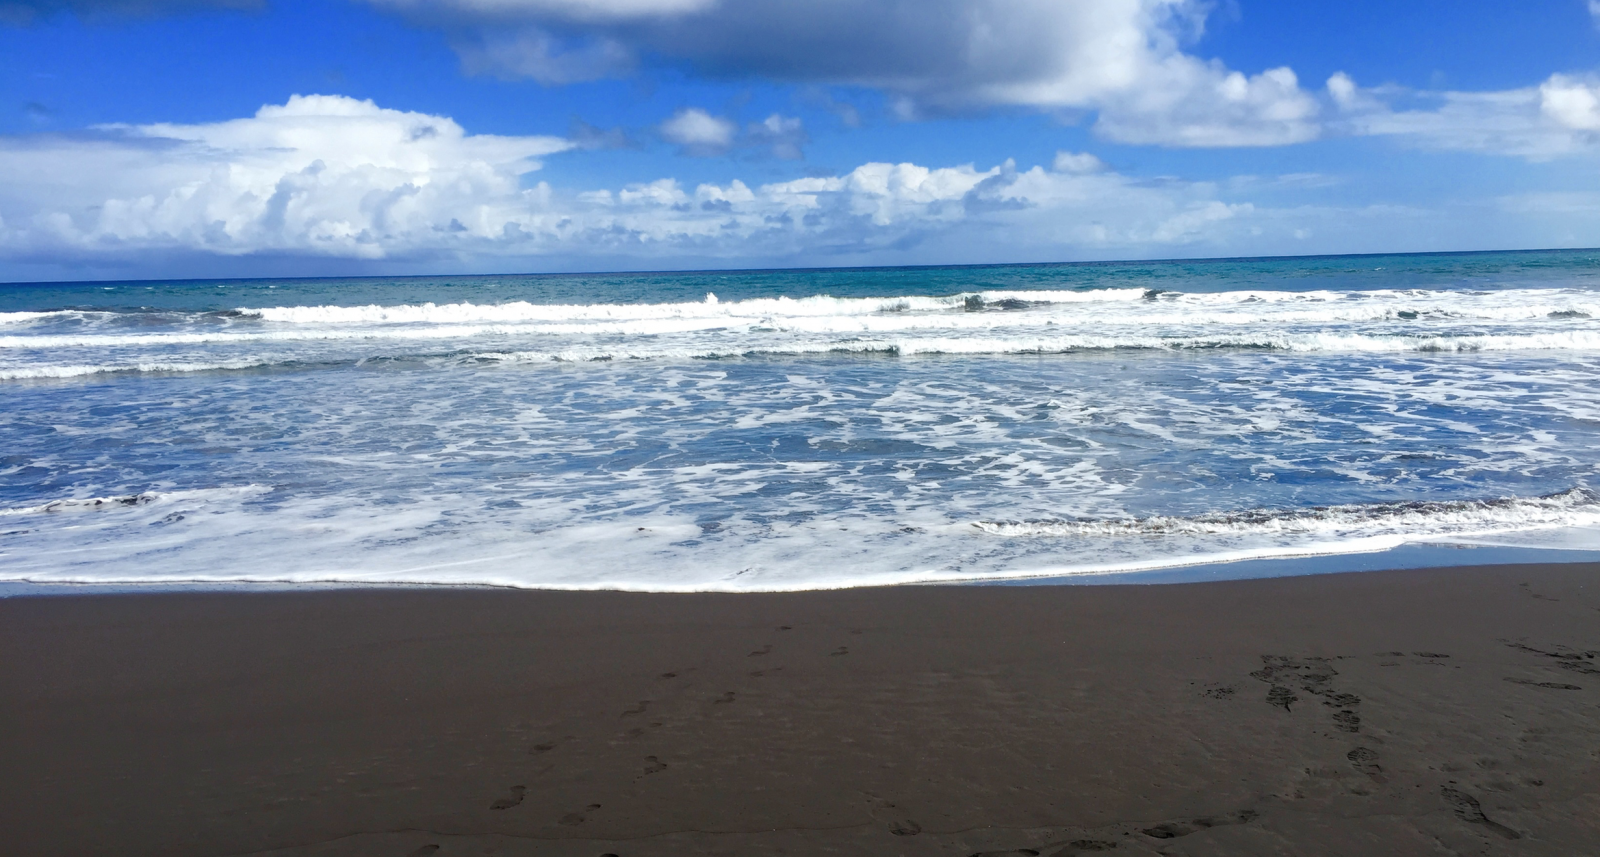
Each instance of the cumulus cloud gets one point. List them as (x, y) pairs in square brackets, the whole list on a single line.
[(783, 135), (1077, 162), (318, 175), (329, 177), (698, 132), (1122, 59), (1560, 116)]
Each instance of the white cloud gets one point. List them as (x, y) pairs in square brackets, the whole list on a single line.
[(329, 181), (1077, 162), (698, 132), (1558, 117), (334, 178), (784, 135), (1120, 58), (1594, 11), (319, 175), (1570, 103)]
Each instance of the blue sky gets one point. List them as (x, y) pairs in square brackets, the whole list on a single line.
[(153, 138)]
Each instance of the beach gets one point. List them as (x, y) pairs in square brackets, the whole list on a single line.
[(1449, 711)]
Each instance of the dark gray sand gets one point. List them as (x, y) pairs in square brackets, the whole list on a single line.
[(1442, 711)]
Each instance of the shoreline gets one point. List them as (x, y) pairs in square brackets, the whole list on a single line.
[(1384, 712), (1411, 555)]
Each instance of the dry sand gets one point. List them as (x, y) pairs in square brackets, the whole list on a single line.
[(1445, 711)]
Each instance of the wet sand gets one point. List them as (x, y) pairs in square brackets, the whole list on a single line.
[(1442, 711)]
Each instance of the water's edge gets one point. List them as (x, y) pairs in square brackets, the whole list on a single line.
[(1404, 557)]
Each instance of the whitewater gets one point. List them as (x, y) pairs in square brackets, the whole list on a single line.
[(782, 430)]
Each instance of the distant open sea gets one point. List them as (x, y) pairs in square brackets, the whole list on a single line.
[(781, 430)]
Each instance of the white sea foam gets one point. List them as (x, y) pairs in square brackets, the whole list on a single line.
[(1115, 305), (1065, 344), (130, 501), (49, 372), (1573, 508), (842, 340), (756, 308), (23, 317), (716, 477), (733, 348), (716, 451), (80, 504), (988, 322)]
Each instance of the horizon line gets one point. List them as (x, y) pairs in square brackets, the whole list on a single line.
[(812, 268)]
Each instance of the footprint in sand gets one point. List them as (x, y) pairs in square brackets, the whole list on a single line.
[(1529, 592), (517, 793), (767, 649), (668, 675), (1175, 829), (1366, 761), (898, 825), (785, 627), (724, 699), (1071, 849), (653, 765), (1282, 697), (573, 819), (1469, 810), (1566, 658), (637, 709), (1313, 676), (424, 851), (842, 650), (1553, 685), (1080, 846)]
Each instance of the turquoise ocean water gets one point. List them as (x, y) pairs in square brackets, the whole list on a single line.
[(778, 430)]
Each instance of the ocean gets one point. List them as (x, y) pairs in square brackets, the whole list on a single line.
[(797, 429)]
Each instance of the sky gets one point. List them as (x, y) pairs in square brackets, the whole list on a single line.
[(239, 138)]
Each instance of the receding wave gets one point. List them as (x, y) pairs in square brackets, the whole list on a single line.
[(42, 373), (1576, 341), (129, 501), (1574, 507), (736, 348)]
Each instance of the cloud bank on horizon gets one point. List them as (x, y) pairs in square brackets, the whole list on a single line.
[(327, 176), (331, 176)]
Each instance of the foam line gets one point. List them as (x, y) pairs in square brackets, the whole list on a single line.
[(1575, 507)]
